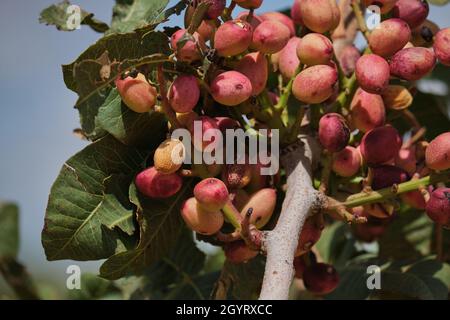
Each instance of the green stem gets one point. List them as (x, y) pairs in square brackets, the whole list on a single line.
[(326, 172), (232, 215), (356, 6), (295, 130), (284, 98), (170, 114), (364, 198), (228, 11), (265, 101), (344, 99)]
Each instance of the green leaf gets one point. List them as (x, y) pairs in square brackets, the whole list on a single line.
[(131, 128), (59, 16), (160, 225), (429, 110), (9, 230), (91, 76), (408, 236), (176, 276), (426, 279), (16, 275), (246, 278), (334, 246), (430, 106), (438, 2), (129, 15), (87, 202), (94, 288)]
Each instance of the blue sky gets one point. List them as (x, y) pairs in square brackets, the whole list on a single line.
[(37, 115)]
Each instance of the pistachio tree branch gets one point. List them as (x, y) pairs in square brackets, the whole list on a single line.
[(301, 198)]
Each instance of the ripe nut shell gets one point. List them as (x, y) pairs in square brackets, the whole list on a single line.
[(299, 266), (206, 27), (315, 84), (231, 88), (211, 194), (414, 199), (137, 93), (397, 97), (389, 37), (413, 63), (320, 278), (310, 234), (239, 198), (320, 15), (438, 207), (270, 37), (379, 210), (154, 184), (200, 220), (423, 35), (437, 154), (236, 176), (347, 59), (386, 176), (315, 48), (295, 13), (238, 252), (232, 38), (280, 17), (226, 123), (334, 133), (372, 73), (367, 111), (169, 156), (215, 9), (413, 12), (263, 203), (406, 159), (258, 180), (249, 4), (380, 145), (254, 67), (288, 61), (384, 5), (370, 231), (255, 20), (189, 52), (207, 137), (184, 93), (347, 162), (442, 46)]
